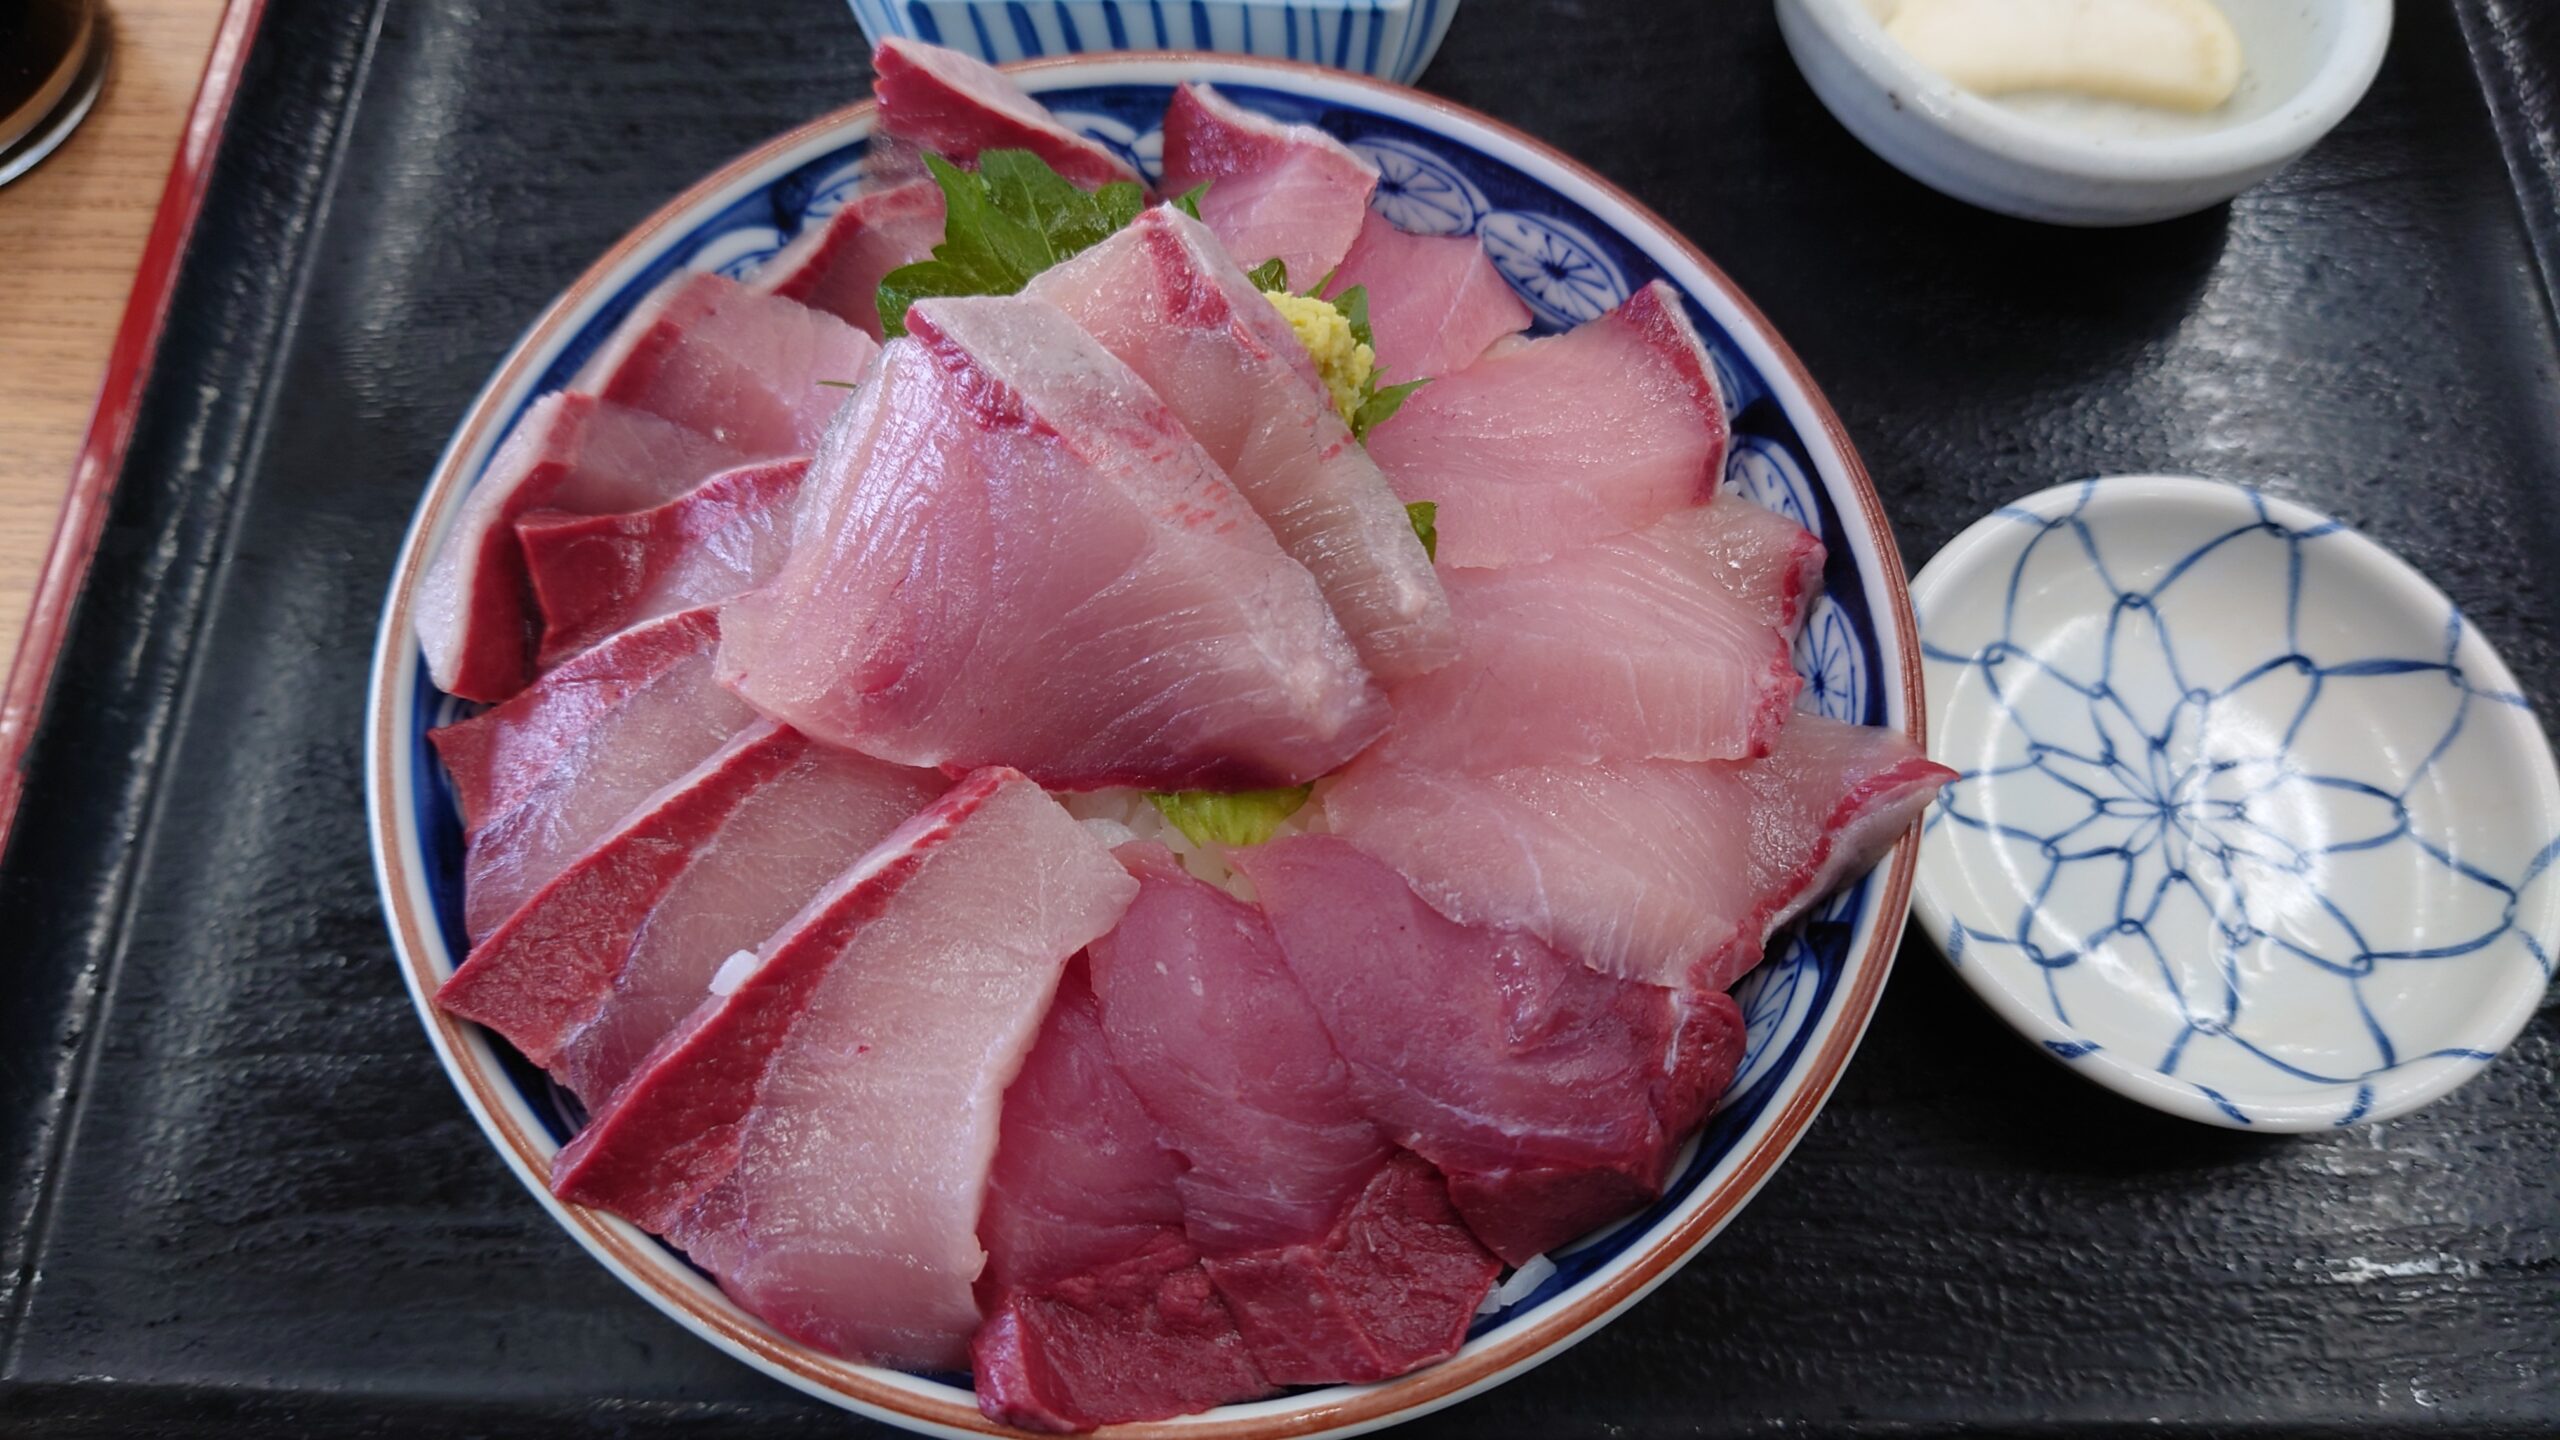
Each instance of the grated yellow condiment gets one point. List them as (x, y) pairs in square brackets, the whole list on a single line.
[(1344, 362)]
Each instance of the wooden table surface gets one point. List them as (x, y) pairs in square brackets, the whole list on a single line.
[(71, 232)]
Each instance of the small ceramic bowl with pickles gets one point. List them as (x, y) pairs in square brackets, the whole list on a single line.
[(2084, 159)]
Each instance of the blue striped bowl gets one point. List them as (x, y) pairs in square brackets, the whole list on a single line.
[(1391, 39)]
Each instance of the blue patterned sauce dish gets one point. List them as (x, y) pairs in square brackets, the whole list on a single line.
[(1390, 39), (2250, 825), (1573, 247)]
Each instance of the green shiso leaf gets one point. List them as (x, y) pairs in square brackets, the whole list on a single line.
[(1188, 202), (1121, 200), (1379, 406), (1003, 223), (1425, 515), (1354, 305), (1270, 275), (1241, 817)]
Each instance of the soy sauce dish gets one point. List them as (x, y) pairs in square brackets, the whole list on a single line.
[(1572, 248), (2250, 824), (2074, 160)]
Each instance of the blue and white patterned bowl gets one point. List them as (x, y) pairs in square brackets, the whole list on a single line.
[(1390, 39), (1575, 247), (2251, 826)]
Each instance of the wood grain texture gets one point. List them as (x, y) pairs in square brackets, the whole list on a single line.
[(71, 231)]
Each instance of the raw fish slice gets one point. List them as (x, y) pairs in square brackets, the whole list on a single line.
[(1289, 192), (1389, 1289), (714, 356), (1341, 1260), (1552, 1097), (818, 1133), (955, 106), (597, 574), (1145, 1338), (1228, 1056), (1546, 444), (1435, 301), (1082, 1175), (1165, 299), (1763, 559), (1653, 870), (545, 776), (576, 453), (837, 266), (1658, 644), (618, 949), (1097, 1308), (1009, 551)]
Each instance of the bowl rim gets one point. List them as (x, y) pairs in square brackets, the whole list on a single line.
[(637, 1259), (2508, 1005), (2261, 142)]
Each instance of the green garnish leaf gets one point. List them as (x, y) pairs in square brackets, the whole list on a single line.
[(1270, 275), (1121, 200), (1425, 515), (1239, 817), (1004, 222), (1354, 305), (1188, 202), (1380, 405), (1316, 291)]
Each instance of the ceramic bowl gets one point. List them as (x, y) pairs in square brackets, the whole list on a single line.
[(2308, 65), (2250, 825), (1574, 247), (1390, 39)]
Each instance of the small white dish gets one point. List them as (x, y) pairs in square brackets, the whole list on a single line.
[(2072, 162), (2250, 825)]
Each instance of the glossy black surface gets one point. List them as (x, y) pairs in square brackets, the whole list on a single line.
[(242, 1199)]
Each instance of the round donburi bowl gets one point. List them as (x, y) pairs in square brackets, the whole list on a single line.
[(1573, 247)]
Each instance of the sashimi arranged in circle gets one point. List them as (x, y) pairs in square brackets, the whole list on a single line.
[(1104, 783)]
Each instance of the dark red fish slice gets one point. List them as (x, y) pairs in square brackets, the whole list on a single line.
[(594, 575), (618, 948), (1552, 1097), (958, 107), (837, 265), (545, 776), (570, 453), (819, 1132), (1097, 1309), (1340, 1257)]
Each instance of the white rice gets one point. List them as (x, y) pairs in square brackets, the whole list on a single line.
[(733, 972), (1119, 816), (1532, 1274)]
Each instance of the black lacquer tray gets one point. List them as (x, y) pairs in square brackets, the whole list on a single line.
[(241, 1199)]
